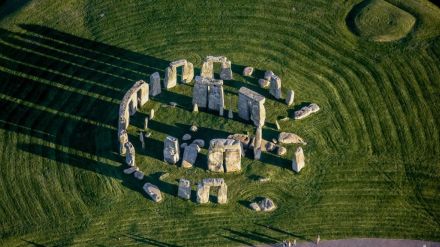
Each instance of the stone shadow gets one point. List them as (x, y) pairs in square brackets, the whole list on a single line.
[(291, 234), (291, 112), (253, 236), (148, 241)]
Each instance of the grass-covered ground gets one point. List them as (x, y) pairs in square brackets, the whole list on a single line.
[(372, 155)]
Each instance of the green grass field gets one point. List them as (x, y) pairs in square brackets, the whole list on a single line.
[(372, 159)]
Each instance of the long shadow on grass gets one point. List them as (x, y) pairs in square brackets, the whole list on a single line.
[(290, 234), (148, 241), (98, 167)]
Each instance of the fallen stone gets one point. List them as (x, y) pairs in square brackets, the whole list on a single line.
[(248, 71), (244, 139), (284, 119), (274, 140), (263, 83), (254, 206), (270, 146), (193, 128), (139, 175), (263, 179), (290, 97), (267, 205), (298, 160), (148, 134), (183, 145), (199, 142), (153, 191), (184, 189), (281, 151), (290, 138), (186, 137), (151, 114), (130, 170), (164, 176), (306, 111), (190, 155)]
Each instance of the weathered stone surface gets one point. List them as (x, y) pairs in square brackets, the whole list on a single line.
[(208, 93), (190, 155), (131, 169), (263, 179), (298, 160), (184, 189), (216, 97), (224, 154), (263, 83), (139, 175), (202, 193), (277, 125), (130, 155), (248, 71), (244, 139), (257, 142), (222, 196), (153, 191), (251, 106), (186, 137), (254, 206), (281, 150), (267, 205), (188, 73), (199, 142), (193, 128), (207, 70), (268, 74), (123, 138), (290, 97), (155, 87), (141, 139), (226, 71), (170, 79), (133, 99), (270, 146), (171, 150), (289, 138), (204, 186), (151, 114), (306, 111), (183, 145), (275, 87)]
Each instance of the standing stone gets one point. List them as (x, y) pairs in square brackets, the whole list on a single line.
[(275, 87), (226, 72), (224, 154), (130, 156), (153, 191), (216, 99), (123, 138), (202, 193), (268, 74), (221, 111), (170, 79), (251, 106), (248, 71), (230, 114), (207, 70), (146, 123), (199, 142), (290, 97), (155, 87), (215, 159), (257, 142), (184, 189), (222, 197), (190, 155), (298, 161), (195, 108), (171, 150), (188, 73), (151, 114)]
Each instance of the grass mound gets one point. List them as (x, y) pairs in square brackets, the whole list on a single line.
[(380, 21)]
